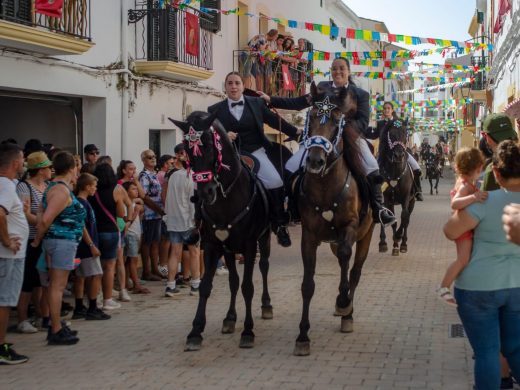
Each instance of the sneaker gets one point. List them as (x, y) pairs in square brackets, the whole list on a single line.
[(221, 271), (79, 313), (194, 291), (62, 337), (163, 270), (110, 304), (172, 292), (26, 327), (97, 315), (9, 356), (124, 296)]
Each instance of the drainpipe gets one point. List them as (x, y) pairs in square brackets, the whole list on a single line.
[(124, 90)]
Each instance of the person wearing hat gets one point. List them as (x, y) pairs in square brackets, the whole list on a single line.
[(91, 155), (496, 128), (30, 190)]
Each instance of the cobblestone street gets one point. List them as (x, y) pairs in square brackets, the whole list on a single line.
[(400, 341)]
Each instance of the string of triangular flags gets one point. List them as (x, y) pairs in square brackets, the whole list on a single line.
[(336, 31)]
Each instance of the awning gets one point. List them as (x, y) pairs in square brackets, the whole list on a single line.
[(513, 109)]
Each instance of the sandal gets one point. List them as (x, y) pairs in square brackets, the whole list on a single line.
[(140, 290), (444, 293)]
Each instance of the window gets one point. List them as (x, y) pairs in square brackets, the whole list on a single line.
[(211, 20), (332, 24)]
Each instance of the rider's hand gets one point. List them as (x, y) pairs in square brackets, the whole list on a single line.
[(480, 196), (232, 135), (264, 96)]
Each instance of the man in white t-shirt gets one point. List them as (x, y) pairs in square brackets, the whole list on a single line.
[(14, 232)]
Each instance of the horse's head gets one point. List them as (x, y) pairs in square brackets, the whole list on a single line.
[(203, 139), (324, 125), (394, 138)]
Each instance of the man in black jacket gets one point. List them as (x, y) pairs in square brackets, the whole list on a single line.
[(243, 117)]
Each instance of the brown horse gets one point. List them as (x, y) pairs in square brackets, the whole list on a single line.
[(330, 202)]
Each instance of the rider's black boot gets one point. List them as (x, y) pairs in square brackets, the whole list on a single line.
[(417, 182), (279, 218), (380, 214)]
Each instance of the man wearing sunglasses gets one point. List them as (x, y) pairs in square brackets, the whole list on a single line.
[(91, 155)]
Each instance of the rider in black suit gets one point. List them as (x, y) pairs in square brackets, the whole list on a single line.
[(341, 79), (243, 117)]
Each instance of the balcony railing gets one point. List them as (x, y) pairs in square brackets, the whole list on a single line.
[(75, 20), (161, 35), (265, 73)]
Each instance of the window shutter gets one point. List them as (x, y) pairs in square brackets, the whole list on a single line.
[(210, 21)]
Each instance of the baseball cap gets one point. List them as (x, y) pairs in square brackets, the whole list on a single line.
[(90, 148), (499, 127)]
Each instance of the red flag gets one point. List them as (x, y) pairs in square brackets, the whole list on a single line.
[(288, 84), (49, 7), (192, 34), (504, 8)]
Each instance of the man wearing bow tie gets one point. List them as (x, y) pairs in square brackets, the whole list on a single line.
[(243, 117)]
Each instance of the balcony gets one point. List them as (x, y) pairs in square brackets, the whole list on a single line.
[(264, 72), (161, 48), (23, 29)]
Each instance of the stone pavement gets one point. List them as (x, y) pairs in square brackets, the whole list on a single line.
[(400, 340)]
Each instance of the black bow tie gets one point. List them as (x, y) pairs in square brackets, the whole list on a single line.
[(240, 103)]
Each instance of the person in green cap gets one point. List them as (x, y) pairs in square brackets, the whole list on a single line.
[(497, 128)]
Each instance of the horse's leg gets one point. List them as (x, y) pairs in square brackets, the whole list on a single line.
[(404, 241), (344, 252), (431, 184), (228, 325), (437, 186), (264, 243), (247, 338), (362, 248), (395, 249), (194, 340), (308, 247), (383, 247)]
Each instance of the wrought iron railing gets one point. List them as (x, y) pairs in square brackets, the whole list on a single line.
[(160, 35), (265, 73), (75, 19)]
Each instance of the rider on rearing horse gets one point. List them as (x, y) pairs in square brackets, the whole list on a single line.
[(243, 117), (389, 114), (341, 78)]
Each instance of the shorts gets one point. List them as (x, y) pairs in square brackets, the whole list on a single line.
[(61, 253), (31, 278), (108, 244), (465, 236), (164, 230), (152, 230), (188, 237), (131, 245), (91, 266), (11, 279)]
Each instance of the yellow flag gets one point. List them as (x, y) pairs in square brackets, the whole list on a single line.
[(325, 30)]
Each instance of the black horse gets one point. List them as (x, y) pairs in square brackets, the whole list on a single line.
[(330, 201), (399, 183), (433, 171), (235, 217)]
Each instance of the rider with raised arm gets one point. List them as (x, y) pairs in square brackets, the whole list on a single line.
[(243, 117), (375, 133), (341, 78)]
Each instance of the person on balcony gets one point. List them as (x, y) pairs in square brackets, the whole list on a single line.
[(341, 78), (375, 133), (302, 66), (243, 117)]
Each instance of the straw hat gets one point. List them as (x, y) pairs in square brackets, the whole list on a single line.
[(38, 160)]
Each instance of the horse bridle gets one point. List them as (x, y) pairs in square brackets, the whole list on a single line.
[(194, 139)]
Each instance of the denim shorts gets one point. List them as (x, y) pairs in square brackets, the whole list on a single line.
[(90, 266), (131, 245), (188, 237), (108, 244), (61, 253), (11, 279)]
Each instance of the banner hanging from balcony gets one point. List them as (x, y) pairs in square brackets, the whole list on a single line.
[(288, 84), (51, 8), (192, 34)]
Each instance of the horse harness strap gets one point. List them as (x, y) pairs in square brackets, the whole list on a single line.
[(393, 182), (328, 214)]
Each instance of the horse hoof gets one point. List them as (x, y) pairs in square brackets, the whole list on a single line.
[(302, 348), (395, 252), (343, 311), (431, 192), (383, 248), (193, 344), (403, 249), (267, 312), (228, 326), (247, 341), (347, 325)]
